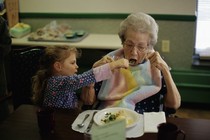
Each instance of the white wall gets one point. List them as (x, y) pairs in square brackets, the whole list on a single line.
[(174, 7)]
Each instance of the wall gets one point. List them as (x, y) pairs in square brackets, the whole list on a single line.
[(193, 85), (180, 7)]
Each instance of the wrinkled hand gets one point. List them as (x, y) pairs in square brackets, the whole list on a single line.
[(157, 61), (102, 61), (88, 95), (120, 63)]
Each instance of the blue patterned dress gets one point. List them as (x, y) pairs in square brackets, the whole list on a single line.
[(60, 90)]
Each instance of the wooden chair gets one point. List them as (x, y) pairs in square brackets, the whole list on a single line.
[(24, 64)]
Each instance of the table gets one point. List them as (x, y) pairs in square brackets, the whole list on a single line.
[(92, 41), (22, 125)]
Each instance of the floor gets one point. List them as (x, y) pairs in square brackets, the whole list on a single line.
[(199, 111)]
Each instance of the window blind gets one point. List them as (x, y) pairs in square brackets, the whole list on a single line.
[(202, 43)]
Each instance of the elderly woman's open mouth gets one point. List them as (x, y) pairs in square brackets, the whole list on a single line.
[(132, 62)]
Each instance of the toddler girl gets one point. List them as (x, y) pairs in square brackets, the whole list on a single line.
[(56, 81)]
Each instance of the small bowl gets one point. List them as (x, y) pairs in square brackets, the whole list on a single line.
[(80, 33), (70, 35)]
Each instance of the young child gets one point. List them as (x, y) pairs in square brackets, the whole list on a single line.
[(56, 81)]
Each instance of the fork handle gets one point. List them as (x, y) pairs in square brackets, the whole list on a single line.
[(86, 116), (91, 123)]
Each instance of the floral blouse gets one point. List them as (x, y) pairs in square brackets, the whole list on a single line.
[(60, 90)]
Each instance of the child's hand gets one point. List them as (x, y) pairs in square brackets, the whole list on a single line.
[(120, 63), (102, 61)]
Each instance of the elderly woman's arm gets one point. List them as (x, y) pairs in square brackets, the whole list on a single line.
[(88, 96), (172, 98)]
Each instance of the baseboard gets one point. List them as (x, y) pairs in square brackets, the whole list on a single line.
[(204, 106)]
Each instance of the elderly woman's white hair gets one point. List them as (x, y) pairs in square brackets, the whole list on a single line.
[(140, 22)]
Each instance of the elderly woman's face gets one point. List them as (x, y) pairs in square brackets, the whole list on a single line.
[(135, 46)]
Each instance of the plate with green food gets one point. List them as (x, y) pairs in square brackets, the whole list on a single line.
[(108, 115)]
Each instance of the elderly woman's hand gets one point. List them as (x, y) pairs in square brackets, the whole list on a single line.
[(157, 61), (119, 63), (102, 61)]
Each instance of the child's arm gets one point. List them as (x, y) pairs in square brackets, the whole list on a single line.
[(88, 93), (104, 72)]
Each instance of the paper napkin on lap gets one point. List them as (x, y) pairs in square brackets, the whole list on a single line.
[(152, 120)]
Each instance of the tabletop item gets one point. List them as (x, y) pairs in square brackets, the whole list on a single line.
[(57, 32), (152, 120), (92, 41), (79, 119), (108, 115), (20, 30), (80, 125), (91, 123), (87, 134), (70, 34), (113, 131), (46, 121), (80, 32), (132, 132), (169, 131), (22, 125)]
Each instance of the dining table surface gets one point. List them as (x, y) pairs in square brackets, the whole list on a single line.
[(22, 125)]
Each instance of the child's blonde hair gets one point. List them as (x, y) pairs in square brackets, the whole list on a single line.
[(51, 55)]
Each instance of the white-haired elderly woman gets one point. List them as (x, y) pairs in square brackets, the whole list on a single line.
[(147, 85)]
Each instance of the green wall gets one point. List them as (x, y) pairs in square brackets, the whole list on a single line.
[(194, 85)]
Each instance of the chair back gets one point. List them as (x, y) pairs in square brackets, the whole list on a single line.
[(24, 64)]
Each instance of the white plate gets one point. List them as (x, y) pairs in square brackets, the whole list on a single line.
[(131, 116)]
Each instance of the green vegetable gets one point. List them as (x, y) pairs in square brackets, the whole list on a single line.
[(110, 117)]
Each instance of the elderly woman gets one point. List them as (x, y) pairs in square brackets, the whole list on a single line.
[(138, 87)]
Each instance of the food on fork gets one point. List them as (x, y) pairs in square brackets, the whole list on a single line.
[(132, 61)]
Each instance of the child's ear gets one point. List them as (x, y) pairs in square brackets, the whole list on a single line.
[(57, 66)]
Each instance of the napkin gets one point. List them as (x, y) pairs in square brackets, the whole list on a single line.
[(152, 120), (133, 132), (80, 118)]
